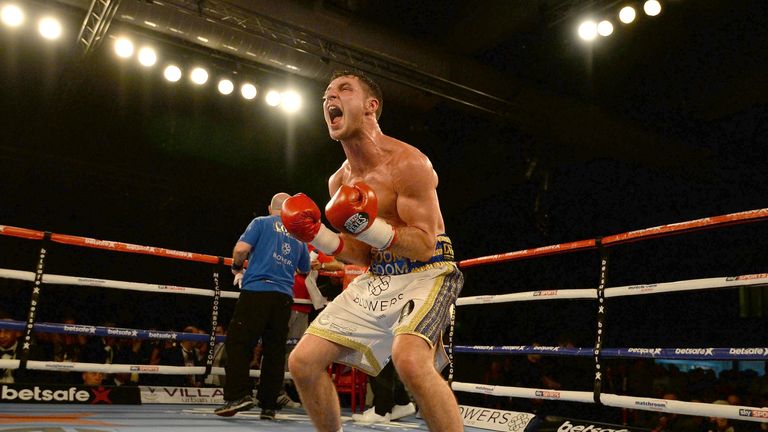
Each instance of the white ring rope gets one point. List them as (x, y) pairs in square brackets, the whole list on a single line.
[(120, 368), (132, 286), (107, 283), (689, 285), (629, 290), (647, 404), (584, 293)]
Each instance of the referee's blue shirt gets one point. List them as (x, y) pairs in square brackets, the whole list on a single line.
[(274, 258)]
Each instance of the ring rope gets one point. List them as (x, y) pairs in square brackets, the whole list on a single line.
[(121, 368), (88, 242), (627, 290), (647, 233), (748, 216), (132, 286), (725, 354), (107, 283), (89, 330), (643, 403), (111, 245), (583, 293)]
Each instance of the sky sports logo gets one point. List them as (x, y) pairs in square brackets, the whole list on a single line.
[(758, 413), (144, 368)]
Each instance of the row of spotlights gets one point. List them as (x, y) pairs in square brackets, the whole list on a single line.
[(589, 30), (50, 28), (13, 16), (146, 55), (290, 100)]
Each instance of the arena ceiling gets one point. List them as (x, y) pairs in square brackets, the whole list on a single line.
[(518, 63)]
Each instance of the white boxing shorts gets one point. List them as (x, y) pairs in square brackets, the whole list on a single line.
[(375, 308)]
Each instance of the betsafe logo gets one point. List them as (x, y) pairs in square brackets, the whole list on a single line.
[(101, 395), (38, 394), (568, 427), (41, 394)]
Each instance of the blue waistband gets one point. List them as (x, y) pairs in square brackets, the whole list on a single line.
[(386, 262)]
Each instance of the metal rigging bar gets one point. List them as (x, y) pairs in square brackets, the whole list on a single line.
[(96, 24), (379, 64)]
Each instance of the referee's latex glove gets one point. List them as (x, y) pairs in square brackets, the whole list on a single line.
[(238, 282)]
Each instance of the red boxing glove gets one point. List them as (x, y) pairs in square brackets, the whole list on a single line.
[(353, 210), (301, 218)]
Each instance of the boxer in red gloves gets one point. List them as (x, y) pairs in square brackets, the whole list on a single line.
[(384, 205)]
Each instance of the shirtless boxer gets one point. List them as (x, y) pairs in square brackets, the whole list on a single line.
[(384, 203)]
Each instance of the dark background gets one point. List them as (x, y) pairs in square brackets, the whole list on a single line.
[(97, 147)]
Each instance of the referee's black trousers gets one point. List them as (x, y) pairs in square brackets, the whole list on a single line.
[(257, 315)]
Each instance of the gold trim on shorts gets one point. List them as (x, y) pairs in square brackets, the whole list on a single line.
[(341, 340), (429, 303)]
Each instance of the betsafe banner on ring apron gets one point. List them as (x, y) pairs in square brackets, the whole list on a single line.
[(69, 394), (511, 421), (561, 424)]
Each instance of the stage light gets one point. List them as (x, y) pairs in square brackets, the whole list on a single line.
[(605, 28), (652, 7), (226, 87), (199, 76), (627, 14), (123, 47), (273, 98), (147, 57), (12, 15), (291, 101), (172, 73), (248, 91), (50, 28), (588, 30)]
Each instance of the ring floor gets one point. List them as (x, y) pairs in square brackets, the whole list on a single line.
[(160, 418)]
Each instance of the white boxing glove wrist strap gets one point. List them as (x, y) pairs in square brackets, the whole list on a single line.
[(380, 235), (327, 241)]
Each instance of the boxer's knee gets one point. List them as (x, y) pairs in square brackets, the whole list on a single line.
[(303, 364), (412, 361)]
